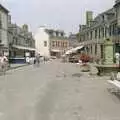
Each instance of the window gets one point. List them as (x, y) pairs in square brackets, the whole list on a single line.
[(110, 30), (63, 44), (91, 33), (66, 44), (99, 33), (113, 28), (91, 49), (45, 43), (83, 37), (53, 43), (103, 17), (102, 51), (58, 43), (96, 33), (0, 37), (87, 36), (62, 34), (96, 49), (114, 31), (118, 31), (103, 32)]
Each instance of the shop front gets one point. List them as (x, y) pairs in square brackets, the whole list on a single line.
[(18, 54), (55, 53)]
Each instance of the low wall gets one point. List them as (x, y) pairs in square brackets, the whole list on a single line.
[(107, 69)]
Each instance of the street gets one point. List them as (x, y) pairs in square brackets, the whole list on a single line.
[(56, 91)]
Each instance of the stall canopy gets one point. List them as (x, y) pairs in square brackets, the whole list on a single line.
[(73, 50), (55, 50)]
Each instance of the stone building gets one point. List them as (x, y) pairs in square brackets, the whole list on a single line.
[(89, 17), (21, 43), (101, 36), (51, 42), (3, 30), (73, 41)]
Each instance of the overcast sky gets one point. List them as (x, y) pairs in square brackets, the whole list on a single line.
[(62, 14)]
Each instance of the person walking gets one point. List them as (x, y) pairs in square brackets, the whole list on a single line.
[(28, 60), (37, 58), (3, 63), (44, 59)]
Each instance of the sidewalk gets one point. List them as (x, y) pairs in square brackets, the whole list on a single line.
[(15, 66)]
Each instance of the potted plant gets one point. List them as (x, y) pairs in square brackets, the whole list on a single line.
[(85, 59)]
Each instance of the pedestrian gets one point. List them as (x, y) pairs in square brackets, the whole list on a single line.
[(3, 63), (44, 59), (34, 60), (28, 60), (37, 61)]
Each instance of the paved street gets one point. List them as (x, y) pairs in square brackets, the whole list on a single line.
[(56, 91)]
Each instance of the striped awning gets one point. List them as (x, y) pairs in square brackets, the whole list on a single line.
[(73, 50), (55, 50)]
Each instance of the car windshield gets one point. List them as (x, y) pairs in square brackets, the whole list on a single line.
[(59, 59)]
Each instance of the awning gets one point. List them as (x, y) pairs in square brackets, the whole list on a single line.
[(55, 50), (73, 50), (24, 48)]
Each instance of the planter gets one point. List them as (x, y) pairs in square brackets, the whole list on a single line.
[(85, 68)]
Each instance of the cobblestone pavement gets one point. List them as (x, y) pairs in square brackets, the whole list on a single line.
[(56, 91)]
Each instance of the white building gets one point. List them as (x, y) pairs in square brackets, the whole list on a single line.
[(51, 42), (3, 29), (42, 42)]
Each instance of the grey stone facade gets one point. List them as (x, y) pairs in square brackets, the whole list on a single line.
[(20, 40), (106, 26), (59, 43), (73, 41), (3, 30), (19, 36)]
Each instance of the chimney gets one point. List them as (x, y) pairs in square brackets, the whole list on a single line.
[(89, 17)]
